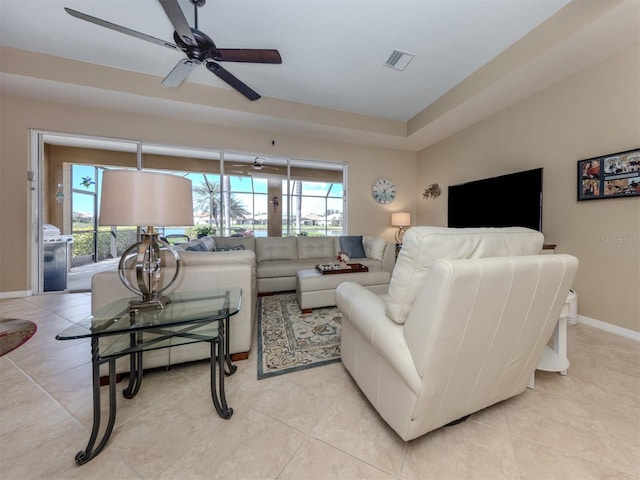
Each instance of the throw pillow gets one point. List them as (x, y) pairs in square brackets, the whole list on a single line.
[(209, 243), (196, 246), (229, 249), (352, 246), (374, 247)]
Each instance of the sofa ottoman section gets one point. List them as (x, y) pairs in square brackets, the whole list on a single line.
[(315, 290)]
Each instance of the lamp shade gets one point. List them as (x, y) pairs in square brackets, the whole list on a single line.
[(139, 198), (400, 219)]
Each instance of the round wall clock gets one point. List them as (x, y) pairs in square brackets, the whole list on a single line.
[(383, 191)]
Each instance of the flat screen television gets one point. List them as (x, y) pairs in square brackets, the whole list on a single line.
[(513, 200)]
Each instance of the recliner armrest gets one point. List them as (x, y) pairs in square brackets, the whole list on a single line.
[(366, 312), (361, 306)]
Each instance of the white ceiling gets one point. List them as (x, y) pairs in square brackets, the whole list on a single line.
[(333, 54)]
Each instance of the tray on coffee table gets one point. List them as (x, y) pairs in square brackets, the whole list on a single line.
[(334, 268)]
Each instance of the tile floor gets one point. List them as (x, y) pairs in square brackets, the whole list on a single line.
[(313, 424), (79, 278)]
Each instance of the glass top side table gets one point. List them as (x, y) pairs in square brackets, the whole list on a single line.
[(188, 317)]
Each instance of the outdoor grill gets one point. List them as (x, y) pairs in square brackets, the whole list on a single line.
[(55, 258)]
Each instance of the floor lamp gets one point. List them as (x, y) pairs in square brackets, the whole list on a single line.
[(146, 199)]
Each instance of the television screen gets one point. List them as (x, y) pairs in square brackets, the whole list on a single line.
[(513, 200)]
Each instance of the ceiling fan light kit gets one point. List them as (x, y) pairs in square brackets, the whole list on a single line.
[(197, 46)]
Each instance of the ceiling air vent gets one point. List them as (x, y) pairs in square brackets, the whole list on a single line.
[(399, 59)]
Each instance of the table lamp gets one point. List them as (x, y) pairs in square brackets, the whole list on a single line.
[(146, 199), (401, 220)]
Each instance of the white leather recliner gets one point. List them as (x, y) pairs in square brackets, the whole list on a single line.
[(463, 326)]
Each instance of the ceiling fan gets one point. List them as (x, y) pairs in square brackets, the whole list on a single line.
[(198, 47), (257, 165)]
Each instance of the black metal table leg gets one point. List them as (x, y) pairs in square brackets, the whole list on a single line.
[(227, 356), (217, 388), (89, 452), (135, 369)]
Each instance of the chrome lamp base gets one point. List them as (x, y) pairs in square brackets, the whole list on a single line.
[(148, 272)]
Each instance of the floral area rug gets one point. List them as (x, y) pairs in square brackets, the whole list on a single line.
[(14, 332), (289, 340)]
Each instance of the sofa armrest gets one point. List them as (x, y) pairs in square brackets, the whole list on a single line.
[(389, 257), (200, 270)]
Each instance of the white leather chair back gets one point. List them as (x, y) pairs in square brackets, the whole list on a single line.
[(422, 246), (477, 331)]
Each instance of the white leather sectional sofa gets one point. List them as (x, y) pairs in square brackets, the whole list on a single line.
[(278, 259), (198, 272), (257, 265)]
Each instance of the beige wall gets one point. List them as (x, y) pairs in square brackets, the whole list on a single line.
[(18, 115), (593, 113), (596, 112)]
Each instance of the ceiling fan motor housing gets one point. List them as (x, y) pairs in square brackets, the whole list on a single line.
[(204, 48)]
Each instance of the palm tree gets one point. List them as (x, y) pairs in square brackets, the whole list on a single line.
[(206, 199), (237, 208)]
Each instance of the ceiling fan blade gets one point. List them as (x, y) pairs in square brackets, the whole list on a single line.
[(178, 20), (179, 73), (118, 28), (250, 55), (233, 81)]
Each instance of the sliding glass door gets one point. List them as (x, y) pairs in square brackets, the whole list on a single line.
[(234, 193)]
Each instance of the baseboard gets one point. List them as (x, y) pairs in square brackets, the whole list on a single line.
[(616, 330), (18, 294)]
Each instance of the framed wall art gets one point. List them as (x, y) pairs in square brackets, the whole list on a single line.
[(609, 176)]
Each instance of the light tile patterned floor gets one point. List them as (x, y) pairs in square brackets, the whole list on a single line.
[(314, 424)]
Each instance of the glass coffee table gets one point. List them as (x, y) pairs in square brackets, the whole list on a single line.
[(188, 317)]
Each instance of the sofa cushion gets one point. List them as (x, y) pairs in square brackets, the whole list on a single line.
[(374, 247), (422, 246), (287, 268), (315, 247), (198, 260), (276, 248), (249, 243), (352, 246), (229, 249)]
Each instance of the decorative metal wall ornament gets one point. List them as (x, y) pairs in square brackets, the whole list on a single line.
[(59, 194), (432, 191)]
